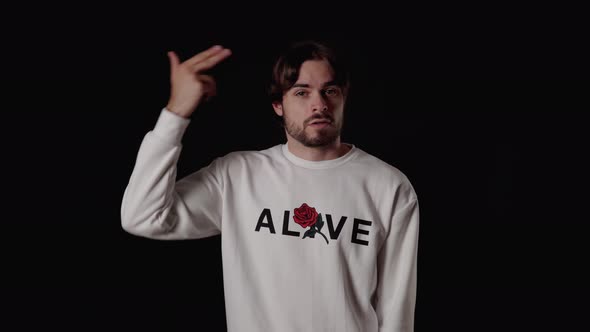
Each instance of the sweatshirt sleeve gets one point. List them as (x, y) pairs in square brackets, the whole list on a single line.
[(397, 271), (157, 206)]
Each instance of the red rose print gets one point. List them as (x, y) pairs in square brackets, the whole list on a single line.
[(305, 216)]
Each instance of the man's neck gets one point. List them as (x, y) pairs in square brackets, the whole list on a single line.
[(332, 151)]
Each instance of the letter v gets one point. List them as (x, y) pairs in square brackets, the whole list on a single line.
[(334, 234)]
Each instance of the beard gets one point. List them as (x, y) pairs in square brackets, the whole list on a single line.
[(320, 137)]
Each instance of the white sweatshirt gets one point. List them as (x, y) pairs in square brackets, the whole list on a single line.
[(353, 268)]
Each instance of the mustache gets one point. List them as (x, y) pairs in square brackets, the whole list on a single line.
[(320, 118)]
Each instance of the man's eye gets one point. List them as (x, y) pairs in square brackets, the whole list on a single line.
[(300, 93), (331, 92)]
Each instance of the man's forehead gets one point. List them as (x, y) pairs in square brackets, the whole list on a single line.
[(315, 72)]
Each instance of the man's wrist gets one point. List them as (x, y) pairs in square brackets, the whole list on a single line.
[(174, 110), (171, 126)]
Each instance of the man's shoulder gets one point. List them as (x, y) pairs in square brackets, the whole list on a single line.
[(379, 166), (384, 172)]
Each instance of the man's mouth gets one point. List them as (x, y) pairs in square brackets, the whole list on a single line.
[(320, 123), (324, 121)]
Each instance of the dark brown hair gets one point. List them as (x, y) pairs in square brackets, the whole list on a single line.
[(286, 68)]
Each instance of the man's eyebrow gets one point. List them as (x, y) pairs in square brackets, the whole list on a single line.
[(305, 85)]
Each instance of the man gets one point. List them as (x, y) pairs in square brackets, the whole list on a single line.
[(318, 235)]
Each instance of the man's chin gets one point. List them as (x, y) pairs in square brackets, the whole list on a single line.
[(319, 141)]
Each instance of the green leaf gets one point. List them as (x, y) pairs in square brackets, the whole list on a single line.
[(319, 223), (310, 233)]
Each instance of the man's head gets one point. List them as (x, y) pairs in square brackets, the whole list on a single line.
[(310, 85)]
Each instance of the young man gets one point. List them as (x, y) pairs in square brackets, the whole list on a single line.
[(318, 235)]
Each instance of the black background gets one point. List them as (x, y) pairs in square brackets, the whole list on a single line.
[(481, 107)]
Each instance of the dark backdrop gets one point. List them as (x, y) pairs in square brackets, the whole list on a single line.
[(478, 107)]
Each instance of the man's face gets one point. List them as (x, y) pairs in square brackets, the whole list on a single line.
[(314, 97)]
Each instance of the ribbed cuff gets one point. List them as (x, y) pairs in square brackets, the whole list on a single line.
[(170, 126)]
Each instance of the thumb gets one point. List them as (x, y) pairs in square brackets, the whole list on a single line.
[(174, 61)]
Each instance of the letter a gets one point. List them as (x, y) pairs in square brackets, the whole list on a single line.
[(265, 214)]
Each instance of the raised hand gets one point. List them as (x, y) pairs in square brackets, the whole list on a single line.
[(188, 84)]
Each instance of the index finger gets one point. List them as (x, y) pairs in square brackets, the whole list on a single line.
[(204, 55), (211, 61)]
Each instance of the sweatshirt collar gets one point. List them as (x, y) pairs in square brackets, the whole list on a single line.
[(321, 164)]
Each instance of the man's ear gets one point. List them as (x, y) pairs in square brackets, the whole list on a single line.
[(278, 107)]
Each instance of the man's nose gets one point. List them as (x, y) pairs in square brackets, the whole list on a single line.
[(319, 103)]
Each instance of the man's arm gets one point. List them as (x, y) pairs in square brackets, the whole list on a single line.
[(154, 205), (397, 268)]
